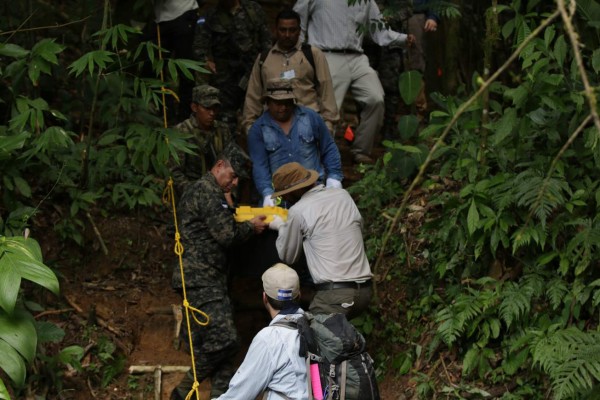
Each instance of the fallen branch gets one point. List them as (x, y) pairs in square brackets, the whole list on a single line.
[(158, 371), (53, 312), (97, 232), (142, 369), (84, 320)]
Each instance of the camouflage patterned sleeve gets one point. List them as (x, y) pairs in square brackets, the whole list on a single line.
[(265, 37), (202, 40), (220, 222), (177, 168)]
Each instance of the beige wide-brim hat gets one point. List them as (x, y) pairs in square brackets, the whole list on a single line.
[(291, 177)]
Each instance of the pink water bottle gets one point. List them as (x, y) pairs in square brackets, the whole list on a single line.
[(315, 381)]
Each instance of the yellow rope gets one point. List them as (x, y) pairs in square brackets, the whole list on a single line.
[(169, 198)]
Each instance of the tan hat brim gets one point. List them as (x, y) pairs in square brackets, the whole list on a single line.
[(312, 178), (280, 96)]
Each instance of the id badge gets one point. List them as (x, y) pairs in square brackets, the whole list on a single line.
[(291, 74)]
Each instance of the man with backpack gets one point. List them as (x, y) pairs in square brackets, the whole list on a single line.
[(272, 364), (304, 65)]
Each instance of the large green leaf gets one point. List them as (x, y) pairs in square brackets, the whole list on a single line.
[(18, 330), (3, 391), (21, 258), (9, 284), (26, 246), (596, 60), (12, 363), (12, 142), (47, 49), (407, 126), (409, 85), (12, 50), (472, 218)]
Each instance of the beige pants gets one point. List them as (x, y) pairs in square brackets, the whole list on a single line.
[(352, 71)]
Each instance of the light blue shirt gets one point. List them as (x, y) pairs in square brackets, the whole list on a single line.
[(308, 143), (272, 364)]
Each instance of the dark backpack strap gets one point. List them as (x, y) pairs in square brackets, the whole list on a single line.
[(263, 56), (307, 50)]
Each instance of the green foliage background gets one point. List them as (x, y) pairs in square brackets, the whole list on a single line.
[(80, 129), (487, 218), (495, 239)]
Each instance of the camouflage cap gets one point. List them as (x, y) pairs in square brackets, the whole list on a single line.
[(279, 89), (206, 96), (238, 158)]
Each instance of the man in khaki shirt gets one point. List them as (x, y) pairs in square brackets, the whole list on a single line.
[(312, 86)]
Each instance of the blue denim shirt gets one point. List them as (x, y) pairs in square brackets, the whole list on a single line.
[(308, 143)]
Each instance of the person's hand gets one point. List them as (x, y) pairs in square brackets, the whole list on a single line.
[(259, 224), (333, 183), (410, 40), (268, 201), (276, 223), (211, 66), (430, 25)]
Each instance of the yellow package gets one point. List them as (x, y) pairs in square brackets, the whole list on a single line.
[(246, 213)]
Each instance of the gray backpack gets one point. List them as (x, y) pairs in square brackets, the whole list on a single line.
[(345, 368)]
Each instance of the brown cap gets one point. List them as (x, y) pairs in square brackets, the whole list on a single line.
[(292, 176), (281, 282)]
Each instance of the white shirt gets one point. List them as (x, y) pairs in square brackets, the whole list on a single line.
[(168, 10), (332, 24), (272, 363)]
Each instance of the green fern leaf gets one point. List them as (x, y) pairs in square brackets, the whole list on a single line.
[(572, 360), (516, 302), (556, 291)]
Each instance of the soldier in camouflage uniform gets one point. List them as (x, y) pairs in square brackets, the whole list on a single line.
[(210, 137), (391, 65), (208, 233), (422, 20), (229, 38), (413, 17)]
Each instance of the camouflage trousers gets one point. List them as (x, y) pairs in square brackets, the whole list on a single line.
[(215, 345), (390, 67)]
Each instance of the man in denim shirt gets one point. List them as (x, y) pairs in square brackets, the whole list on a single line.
[(287, 132)]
